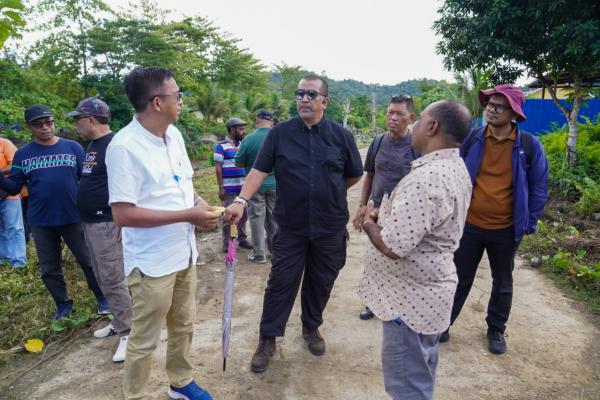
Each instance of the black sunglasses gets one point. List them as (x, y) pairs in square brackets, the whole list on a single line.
[(311, 94), (41, 124), (179, 95)]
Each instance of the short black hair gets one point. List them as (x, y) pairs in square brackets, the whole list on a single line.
[(142, 83), (454, 118), (324, 85), (403, 99)]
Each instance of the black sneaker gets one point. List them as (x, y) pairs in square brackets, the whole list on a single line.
[(496, 342), (366, 314), (445, 336), (244, 244)]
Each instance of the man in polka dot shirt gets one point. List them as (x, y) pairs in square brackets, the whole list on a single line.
[(410, 278)]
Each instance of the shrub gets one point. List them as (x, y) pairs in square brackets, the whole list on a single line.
[(589, 202), (563, 179)]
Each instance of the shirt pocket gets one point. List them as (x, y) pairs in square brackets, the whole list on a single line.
[(333, 159)]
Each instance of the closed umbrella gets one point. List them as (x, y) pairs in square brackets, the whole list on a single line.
[(230, 264)]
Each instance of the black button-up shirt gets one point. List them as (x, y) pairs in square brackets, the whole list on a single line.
[(311, 167)]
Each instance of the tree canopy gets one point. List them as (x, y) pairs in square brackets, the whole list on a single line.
[(545, 38)]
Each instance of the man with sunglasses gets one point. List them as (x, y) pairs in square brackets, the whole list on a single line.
[(102, 236), (388, 161), (315, 161), (510, 182), (152, 198), (51, 168)]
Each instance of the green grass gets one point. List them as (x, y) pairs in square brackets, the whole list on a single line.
[(205, 183), (569, 257), (26, 308)]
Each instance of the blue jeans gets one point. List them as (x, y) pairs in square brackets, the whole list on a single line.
[(12, 233)]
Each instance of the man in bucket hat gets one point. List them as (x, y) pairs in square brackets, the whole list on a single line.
[(509, 172)]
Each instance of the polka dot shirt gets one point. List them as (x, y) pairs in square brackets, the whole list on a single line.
[(422, 222)]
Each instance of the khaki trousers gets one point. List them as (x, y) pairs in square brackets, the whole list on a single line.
[(154, 299)]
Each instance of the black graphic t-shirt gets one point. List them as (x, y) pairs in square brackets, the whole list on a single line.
[(92, 199)]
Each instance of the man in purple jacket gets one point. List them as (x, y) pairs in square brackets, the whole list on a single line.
[(509, 172)]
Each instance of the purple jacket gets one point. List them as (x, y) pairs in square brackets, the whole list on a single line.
[(530, 183)]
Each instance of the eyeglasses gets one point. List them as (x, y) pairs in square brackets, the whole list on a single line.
[(311, 94), (499, 108), (396, 97), (41, 124), (177, 95)]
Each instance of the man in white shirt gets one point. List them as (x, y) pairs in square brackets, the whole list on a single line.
[(153, 199)]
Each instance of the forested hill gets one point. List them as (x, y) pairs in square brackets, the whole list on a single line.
[(349, 88)]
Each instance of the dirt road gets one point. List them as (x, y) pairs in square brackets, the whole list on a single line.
[(554, 347)]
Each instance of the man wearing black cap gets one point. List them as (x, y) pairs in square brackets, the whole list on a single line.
[(51, 167), (509, 172), (91, 118), (260, 206), (230, 177)]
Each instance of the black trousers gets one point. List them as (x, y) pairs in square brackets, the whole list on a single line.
[(501, 248), (47, 244), (319, 260)]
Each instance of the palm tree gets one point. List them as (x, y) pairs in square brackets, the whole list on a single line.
[(279, 106), (211, 102), (468, 86), (252, 103)]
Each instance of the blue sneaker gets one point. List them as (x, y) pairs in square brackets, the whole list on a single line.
[(191, 391), (103, 308), (63, 310)]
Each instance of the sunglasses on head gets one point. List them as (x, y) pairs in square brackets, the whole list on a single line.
[(311, 94), (401, 97)]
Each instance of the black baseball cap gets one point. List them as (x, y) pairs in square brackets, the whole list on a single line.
[(36, 111), (265, 114)]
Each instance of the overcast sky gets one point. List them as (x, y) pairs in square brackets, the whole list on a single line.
[(374, 41)]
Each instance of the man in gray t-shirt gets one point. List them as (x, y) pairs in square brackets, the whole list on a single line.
[(388, 161)]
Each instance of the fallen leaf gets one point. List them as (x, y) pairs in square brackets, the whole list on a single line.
[(34, 345)]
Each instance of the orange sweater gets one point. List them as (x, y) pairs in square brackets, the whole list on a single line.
[(492, 201)]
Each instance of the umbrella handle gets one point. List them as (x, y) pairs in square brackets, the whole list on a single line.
[(233, 231)]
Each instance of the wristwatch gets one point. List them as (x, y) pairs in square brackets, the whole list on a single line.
[(241, 201)]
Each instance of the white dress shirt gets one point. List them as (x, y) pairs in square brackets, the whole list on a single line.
[(149, 172)]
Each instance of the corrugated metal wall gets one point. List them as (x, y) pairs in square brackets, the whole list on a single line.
[(541, 114)]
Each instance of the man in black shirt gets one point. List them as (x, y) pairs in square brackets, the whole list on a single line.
[(101, 234), (315, 162)]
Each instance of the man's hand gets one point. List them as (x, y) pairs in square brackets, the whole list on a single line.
[(222, 193), (371, 213), (359, 218), (234, 213), (204, 216)]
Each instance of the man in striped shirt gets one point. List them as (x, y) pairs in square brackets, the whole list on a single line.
[(231, 177)]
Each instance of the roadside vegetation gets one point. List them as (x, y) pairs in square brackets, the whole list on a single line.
[(567, 243)]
